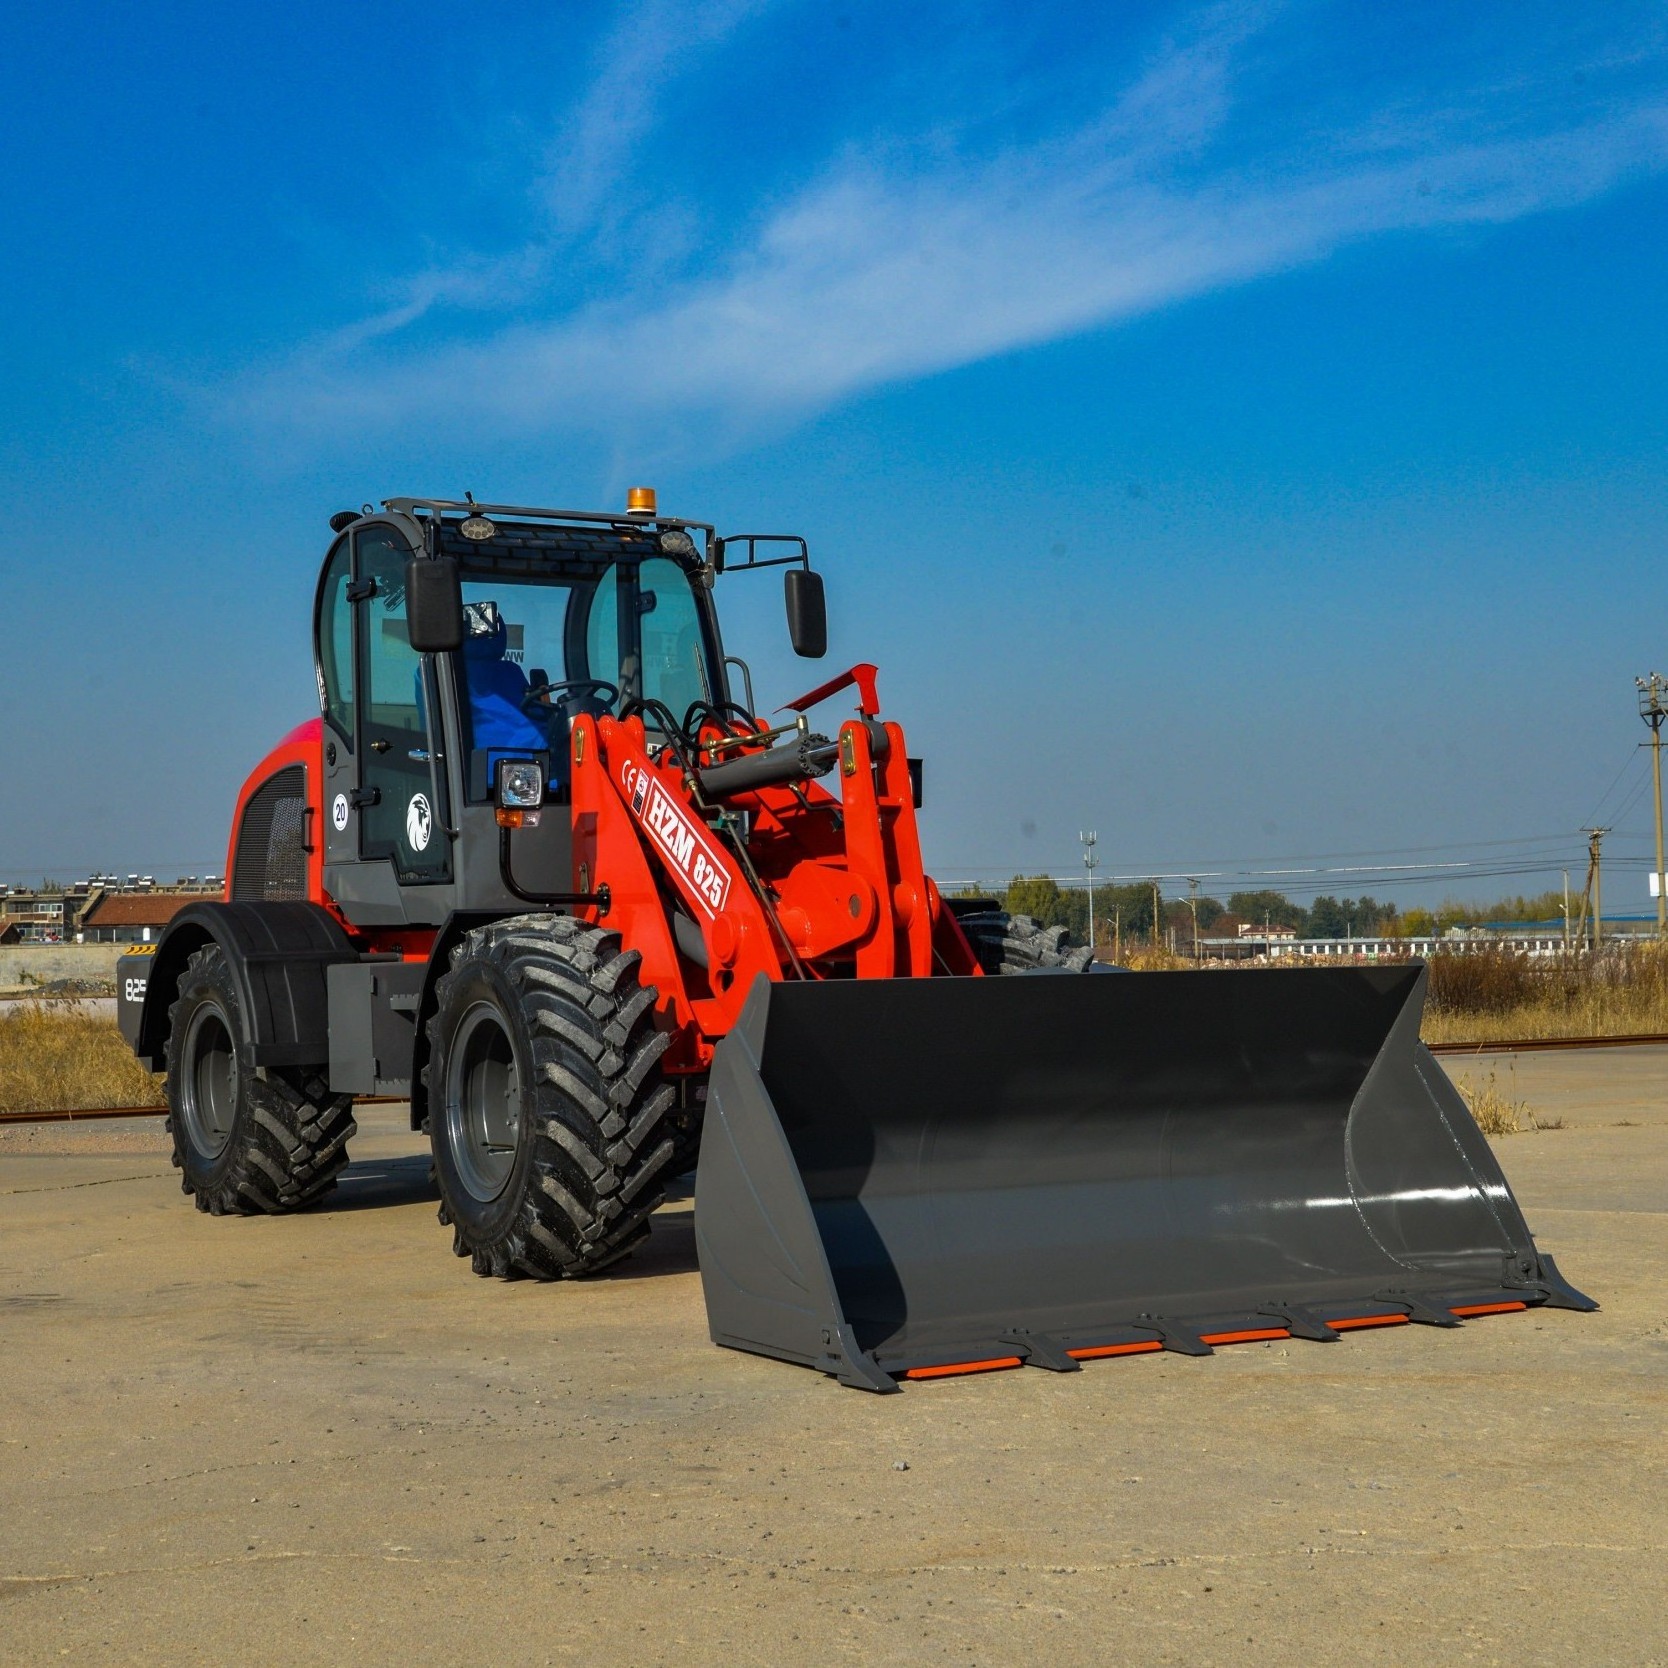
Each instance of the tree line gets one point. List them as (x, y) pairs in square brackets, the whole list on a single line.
[(1130, 911)]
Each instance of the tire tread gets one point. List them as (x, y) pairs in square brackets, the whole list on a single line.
[(289, 1150), (598, 1108)]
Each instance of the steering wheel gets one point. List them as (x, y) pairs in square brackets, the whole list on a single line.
[(588, 688)]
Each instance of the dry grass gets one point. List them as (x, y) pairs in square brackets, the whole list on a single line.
[(63, 1056), (1496, 994), (1147, 958), (1496, 1111), (1487, 995)]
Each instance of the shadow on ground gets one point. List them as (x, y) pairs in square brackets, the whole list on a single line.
[(383, 1183), (372, 1183)]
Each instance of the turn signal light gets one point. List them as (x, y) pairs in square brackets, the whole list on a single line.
[(640, 501)]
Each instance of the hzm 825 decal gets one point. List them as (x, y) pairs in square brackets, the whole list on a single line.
[(682, 839)]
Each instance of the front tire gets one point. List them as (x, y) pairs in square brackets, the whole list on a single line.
[(552, 1130), (244, 1142)]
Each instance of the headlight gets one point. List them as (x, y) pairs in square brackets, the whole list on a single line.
[(520, 784)]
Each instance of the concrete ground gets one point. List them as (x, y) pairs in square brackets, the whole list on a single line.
[(320, 1439)]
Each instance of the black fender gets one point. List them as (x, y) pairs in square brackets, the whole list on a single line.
[(278, 953)]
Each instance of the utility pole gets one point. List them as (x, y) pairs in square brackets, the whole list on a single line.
[(1566, 912), (1594, 887), (1598, 888), (1653, 711), (1089, 862), (1193, 904), (1157, 928)]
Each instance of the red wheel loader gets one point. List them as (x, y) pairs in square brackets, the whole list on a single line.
[(541, 864)]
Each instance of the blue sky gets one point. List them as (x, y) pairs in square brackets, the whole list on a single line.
[(1239, 429)]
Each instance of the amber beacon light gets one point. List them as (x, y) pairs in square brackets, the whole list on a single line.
[(639, 500)]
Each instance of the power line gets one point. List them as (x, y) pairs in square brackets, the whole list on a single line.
[(1529, 863), (1308, 882), (1632, 759), (1633, 799), (1212, 868)]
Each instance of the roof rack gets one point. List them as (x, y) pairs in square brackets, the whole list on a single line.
[(439, 507)]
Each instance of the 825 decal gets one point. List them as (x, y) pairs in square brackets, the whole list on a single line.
[(678, 836)]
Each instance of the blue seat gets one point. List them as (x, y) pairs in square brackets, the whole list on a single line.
[(496, 688)]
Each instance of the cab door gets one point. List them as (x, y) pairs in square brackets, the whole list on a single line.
[(400, 799)]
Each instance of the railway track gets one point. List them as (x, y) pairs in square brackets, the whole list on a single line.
[(1540, 1045), (79, 1114), (1499, 1045), (71, 1115)]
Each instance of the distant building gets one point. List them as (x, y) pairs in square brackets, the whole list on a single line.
[(1231, 927), (53, 914), (30, 915), (1376, 947), (131, 917), (1249, 929)]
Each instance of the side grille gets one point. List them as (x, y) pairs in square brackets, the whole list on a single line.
[(270, 864)]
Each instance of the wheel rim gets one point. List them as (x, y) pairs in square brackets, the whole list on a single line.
[(483, 1103), (208, 1087)]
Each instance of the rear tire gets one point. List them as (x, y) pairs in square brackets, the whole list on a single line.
[(244, 1142), (552, 1130), (1005, 943)]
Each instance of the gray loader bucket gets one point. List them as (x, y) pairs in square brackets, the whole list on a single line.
[(907, 1177)]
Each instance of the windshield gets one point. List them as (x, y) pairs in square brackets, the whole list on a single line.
[(673, 666), (540, 650)]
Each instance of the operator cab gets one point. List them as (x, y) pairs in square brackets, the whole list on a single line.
[(562, 614), (541, 650)]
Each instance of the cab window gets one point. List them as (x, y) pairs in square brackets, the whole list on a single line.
[(403, 819), (335, 645), (390, 661), (674, 667), (663, 659)]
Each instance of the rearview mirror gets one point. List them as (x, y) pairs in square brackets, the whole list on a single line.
[(807, 613), (433, 604)]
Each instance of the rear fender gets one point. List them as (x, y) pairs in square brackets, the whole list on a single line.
[(278, 953)]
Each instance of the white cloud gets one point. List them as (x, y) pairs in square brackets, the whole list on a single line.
[(650, 46), (882, 268)]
